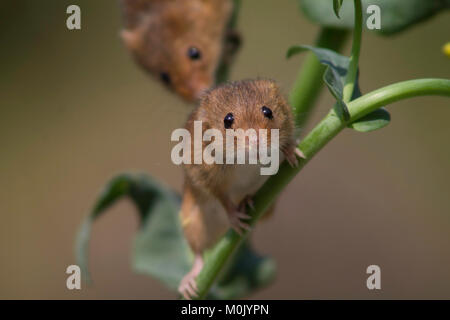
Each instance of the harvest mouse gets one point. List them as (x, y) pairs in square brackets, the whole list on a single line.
[(180, 42), (215, 195)]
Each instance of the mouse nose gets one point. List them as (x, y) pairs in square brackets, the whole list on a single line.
[(197, 87), (193, 92), (200, 90)]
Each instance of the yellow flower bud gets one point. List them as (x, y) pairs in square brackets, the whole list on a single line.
[(446, 49)]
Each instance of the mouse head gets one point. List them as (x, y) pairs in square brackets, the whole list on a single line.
[(249, 104), (179, 45)]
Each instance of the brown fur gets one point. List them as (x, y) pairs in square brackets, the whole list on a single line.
[(205, 182), (160, 32)]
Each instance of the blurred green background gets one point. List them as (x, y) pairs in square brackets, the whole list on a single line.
[(75, 110)]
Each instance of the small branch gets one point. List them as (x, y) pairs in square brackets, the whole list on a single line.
[(223, 70), (352, 73), (309, 81), (325, 131)]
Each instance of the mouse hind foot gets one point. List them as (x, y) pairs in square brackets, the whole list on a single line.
[(188, 285)]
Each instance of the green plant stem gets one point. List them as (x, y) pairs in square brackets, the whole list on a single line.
[(309, 81), (325, 131), (223, 70), (350, 79)]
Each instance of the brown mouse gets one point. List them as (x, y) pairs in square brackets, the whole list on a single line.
[(181, 42), (215, 195)]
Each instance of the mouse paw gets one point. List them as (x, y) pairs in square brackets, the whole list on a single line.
[(291, 156), (188, 287), (246, 201), (235, 217)]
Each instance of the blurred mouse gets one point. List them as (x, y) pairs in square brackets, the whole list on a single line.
[(180, 42)]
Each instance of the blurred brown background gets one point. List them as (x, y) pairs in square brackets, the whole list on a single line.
[(75, 110)]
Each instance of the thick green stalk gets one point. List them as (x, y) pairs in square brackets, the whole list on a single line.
[(352, 72), (309, 81), (326, 130)]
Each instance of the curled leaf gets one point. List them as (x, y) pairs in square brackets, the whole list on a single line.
[(334, 78), (395, 15), (337, 7), (160, 249), (373, 121)]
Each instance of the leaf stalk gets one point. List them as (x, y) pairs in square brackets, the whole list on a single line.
[(352, 74)]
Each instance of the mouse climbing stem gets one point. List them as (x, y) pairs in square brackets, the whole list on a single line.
[(324, 132)]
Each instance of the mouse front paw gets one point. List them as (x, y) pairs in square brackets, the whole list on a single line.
[(235, 217), (247, 201), (291, 155), (236, 214)]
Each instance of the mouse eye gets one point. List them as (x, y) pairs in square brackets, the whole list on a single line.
[(228, 121), (194, 54), (165, 77), (267, 112)]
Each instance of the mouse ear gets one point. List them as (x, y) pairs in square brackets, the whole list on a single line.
[(131, 38), (133, 10)]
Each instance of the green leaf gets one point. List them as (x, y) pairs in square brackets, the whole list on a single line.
[(373, 121), (337, 7), (160, 249), (246, 273), (334, 77), (396, 15)]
